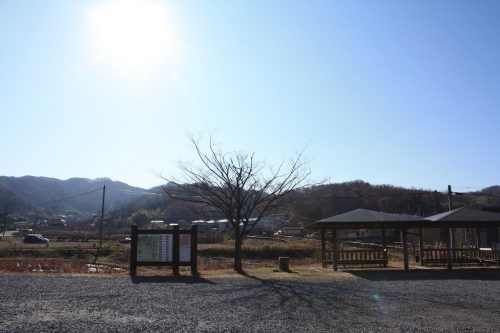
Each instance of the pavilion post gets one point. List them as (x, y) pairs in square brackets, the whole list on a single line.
[(421, 243), (384, 246), (448, 249), (324, 263), (450, 230), (478, 235), (404, 232), (334, 249), (451, 237), (133, 251)]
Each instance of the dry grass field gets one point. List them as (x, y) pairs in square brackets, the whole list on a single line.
[(260, 258), (87, 258)]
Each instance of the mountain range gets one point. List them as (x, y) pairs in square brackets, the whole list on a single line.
[(28, 193)]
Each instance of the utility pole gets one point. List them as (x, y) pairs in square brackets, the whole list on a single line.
[(4, 218), (102, 215), (36, 220), (449, 209), (449, 197)]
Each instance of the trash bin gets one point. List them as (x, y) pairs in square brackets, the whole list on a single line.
[(284, 264)]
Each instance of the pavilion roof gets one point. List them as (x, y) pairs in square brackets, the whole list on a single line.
[(466, 217), (364, 218)]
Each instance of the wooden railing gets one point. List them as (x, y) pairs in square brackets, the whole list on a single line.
[(489, 256), (360, 257), (439, 257), (460, 256)]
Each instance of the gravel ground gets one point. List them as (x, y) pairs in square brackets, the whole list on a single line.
[(372, 301)]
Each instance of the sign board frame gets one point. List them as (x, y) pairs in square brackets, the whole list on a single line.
[(189, 250)]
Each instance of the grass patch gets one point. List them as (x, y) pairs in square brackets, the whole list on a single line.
[(58, 266), (261, 250), (56, 253)]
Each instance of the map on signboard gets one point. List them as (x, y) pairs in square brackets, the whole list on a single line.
[(154, 247)]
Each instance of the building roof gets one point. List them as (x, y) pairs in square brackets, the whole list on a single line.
[(365, 215), (364, 218), (466, 217)]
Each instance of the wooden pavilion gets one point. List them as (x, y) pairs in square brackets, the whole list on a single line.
[(463, 218), (368, 219)]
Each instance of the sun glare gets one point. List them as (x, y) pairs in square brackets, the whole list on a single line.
[(131, 37)]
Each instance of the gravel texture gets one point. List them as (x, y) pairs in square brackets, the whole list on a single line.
[(369, 302)]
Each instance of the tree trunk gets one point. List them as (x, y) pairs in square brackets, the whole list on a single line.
[(238, 241)]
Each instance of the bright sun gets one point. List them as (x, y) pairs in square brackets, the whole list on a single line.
[(134, 38)]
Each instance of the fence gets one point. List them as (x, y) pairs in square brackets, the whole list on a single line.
[(461, 256)]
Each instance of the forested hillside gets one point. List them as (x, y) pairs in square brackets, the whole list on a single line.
[(317, 202), (126, 204), (25, 194)]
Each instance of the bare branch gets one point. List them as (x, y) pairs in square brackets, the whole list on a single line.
[(237, 186)]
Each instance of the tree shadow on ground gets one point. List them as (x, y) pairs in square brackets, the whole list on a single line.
[(292, 295), (170, 279), (487, 274), (306, 292)]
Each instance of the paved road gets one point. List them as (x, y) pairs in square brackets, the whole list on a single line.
[(371, 302)]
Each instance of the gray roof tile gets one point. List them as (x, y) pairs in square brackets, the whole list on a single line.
[(365, 215), (466, 215)]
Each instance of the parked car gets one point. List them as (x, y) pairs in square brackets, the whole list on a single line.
[(35, 238), (125, 240)]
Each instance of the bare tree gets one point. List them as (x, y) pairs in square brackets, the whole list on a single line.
[(237, 186)]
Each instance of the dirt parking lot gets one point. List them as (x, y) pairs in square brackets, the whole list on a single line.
[(367, 301)]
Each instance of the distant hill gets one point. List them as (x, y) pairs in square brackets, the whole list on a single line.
[(126, 203), (331, 199), (317, 202), (83, 195), (494, 190)]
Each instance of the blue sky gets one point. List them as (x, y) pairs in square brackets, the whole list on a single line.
[(390, 92)]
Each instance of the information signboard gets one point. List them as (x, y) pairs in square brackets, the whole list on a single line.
[(171, 247)]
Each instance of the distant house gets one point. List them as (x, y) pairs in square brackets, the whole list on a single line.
[(224, 225), (183, 224), (157, 224), (291, 231), (201, 224)]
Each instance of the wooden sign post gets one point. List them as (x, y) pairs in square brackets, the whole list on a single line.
[(172, 247)]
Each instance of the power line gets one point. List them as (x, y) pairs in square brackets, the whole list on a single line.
[(359, 196), (70, 197), (37, 206), (469, 187), (477, 194)]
